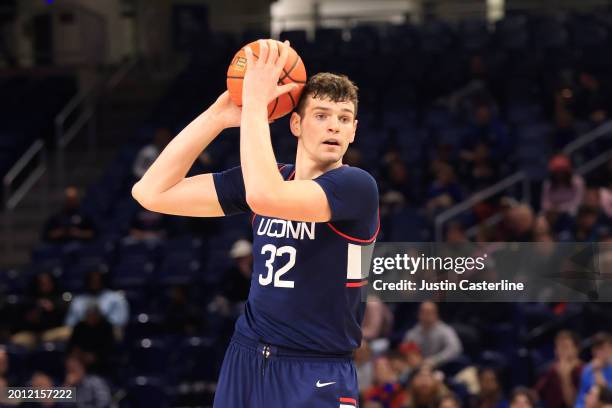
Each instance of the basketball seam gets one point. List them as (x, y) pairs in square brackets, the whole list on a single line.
[(273, 108)]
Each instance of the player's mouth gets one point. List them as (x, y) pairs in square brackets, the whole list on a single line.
[(331, 142)]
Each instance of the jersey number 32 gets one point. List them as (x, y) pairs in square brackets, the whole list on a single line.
[(276, 275)]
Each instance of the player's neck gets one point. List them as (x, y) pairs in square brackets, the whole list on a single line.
[(308, 169)]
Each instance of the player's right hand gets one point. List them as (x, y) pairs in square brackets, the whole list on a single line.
[(225, 111)]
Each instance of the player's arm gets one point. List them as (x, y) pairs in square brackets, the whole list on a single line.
[(266, 191), (164, 187)]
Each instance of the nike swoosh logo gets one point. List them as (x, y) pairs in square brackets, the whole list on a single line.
[(320, 384)]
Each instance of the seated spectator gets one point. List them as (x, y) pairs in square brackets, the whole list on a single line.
[(91, 391), (397, 184), (455, 233), (563, 191), (41, 381), (558, 386), (477, 167), (238, 278), (70, 224), (387, 389), (43, 313), (585, 228), (148, 226), (437, 341), (425, 389), (4, 366), (377, 320), (364, 363), (599, 370), (181, 316), (449, 401), (592, 101), (444, 191), (92, 340), (147, 155), (517, 224), (112, 304), (522, 397), (491, 394), (487, 129)]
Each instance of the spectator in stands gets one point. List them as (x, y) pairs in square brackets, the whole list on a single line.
[(41, 381), (592, 101), (605, 397), (43, 313), (585, 228), (565, 129), (599, 370), (91, 391), (455, 233), (522, 397), (92, 340), (70, 224), (449, 401), (112, 304), (477, 167), (364, 363), (517, 224), (397, 187), (444, 191), (238, 278), (491, 394), (558, 386), (437, 341), (600, 199), (425, 389), (148, 226), (486, 129), (181, 316), (4, 367), (387, 389), (563, 191), (147, 155), (378, 319)]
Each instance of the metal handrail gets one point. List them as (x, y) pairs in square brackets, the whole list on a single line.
[(442, 218), (12, 199), (521, 176), (594, 163)]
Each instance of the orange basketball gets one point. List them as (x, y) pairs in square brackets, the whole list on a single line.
[(294, 71)]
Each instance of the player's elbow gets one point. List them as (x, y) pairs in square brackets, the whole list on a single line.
[(259, 202), (140, 194)]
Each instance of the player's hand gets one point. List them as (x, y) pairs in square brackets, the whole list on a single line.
[(226, 111), (260, 84)]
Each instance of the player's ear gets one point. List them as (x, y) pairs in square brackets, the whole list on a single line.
[(295, 124), (354, 131)]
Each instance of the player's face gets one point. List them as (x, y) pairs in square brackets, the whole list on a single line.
[(326, 128)]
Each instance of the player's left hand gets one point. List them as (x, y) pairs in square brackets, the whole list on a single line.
[(260, 84)]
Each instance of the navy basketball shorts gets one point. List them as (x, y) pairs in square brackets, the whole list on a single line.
[(256, 375)]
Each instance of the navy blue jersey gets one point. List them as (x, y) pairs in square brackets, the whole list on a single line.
[(307, 278)]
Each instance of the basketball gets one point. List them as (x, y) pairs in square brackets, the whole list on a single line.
[(294, 71)]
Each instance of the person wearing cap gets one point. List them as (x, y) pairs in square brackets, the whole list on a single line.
[(599, 370), (238, 282), (563, 191)]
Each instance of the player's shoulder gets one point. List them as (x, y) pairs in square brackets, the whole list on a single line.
[(355, 174)]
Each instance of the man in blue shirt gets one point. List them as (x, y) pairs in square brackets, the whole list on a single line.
[(599, 370), (312, 221)]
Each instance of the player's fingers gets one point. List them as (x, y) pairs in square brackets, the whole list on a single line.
[(283, 89), (273, 52), (263, 52), (284, 54), (248, 52)]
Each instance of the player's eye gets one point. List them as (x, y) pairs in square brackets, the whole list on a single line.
[(345, 119), (320, 116)]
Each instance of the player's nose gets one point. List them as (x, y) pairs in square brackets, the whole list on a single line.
[(333, 124)]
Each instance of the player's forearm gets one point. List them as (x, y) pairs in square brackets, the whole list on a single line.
[(260, 172), (179, 155)]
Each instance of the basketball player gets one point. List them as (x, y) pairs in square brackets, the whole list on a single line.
[(293, 345)]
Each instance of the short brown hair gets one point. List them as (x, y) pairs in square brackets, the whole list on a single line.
[(337, 87)]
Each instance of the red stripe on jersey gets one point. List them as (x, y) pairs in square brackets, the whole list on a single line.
[(349, 400), (291, 175), (365, 241), (356, 284)]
